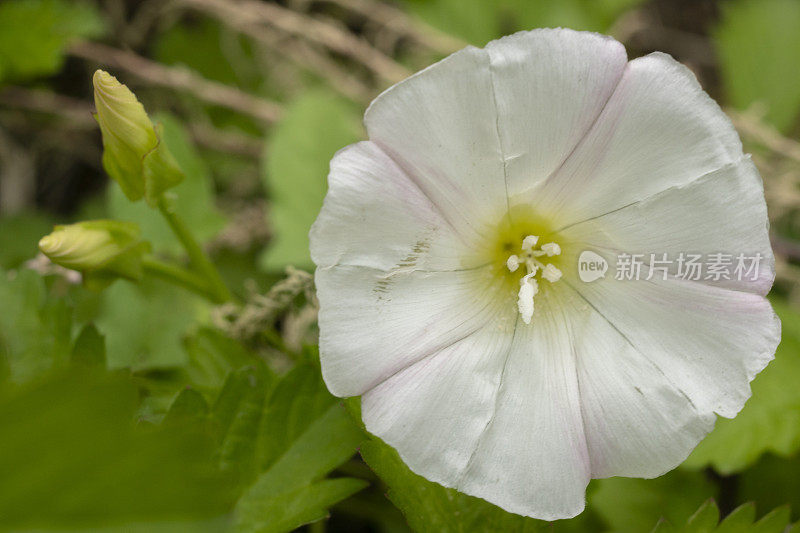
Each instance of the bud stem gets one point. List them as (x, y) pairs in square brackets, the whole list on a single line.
[(178, 276), (215, 286)]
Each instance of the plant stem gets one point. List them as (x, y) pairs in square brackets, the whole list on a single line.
[(177, 276), (197, 256)]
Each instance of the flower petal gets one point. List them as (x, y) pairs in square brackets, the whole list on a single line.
[(709, 341), (658, 130), (434, 411), (374, 324), (374, 216), (532, 458), (550, 85), (721, 212), (440, 127), (637, 422)]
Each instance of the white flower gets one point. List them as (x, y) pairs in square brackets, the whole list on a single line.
[(485, 176)]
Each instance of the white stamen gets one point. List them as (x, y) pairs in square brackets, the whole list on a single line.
[(529, 242), (527, 290), (512, 263), (551, 273), (551, 249)]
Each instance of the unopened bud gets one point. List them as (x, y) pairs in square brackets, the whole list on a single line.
[(102, 250), (133, 153)]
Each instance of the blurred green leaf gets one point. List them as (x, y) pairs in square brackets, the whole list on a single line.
[(315, 127), (634, 505), (71, 455), (758, 43), (770, 420), (740, 520), (478, 21), (35, 329), (772, 482), (145, 323), (194, 196), (89, 349), (35, 33), (19, 235)]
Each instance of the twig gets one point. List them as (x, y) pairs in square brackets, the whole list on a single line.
[(179, 78), (753, 128), (78, 115), (393, 19), (312, 29)]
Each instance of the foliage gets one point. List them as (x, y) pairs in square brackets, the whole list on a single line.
[(34, 34), (316, 125), (770, 421), (756, 40)]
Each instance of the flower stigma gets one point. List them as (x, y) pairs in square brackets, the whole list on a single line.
[(533, 258)]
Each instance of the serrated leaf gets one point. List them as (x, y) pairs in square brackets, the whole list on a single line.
[(755, 41), (705, 519), (193, 197), (770, 420), (314, 128), (35, 33), (740, 520), (290, 493)]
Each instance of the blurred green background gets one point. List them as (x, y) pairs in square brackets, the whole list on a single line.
[(146, 408)]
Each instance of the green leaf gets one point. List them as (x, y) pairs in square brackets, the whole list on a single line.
[(35, 33), (35, 329), (770, 420), (756, 42), (89, 349), (144, 324), (429, 506), (314, 128), (19, 235), (634, 505), (188, 408), (291, 492), (194, 196), (740, 520), (71, 455), (772, 482), (212, 357)]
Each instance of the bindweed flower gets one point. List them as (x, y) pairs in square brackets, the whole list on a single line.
[(102, 250), (451, 294), (133, 154)]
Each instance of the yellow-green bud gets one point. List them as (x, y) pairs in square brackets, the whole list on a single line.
[(102, 250), (133, 154)]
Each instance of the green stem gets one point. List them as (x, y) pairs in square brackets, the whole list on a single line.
[(178, 276), (197, 256)]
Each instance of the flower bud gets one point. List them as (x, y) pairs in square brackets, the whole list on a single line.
[(133, 154), (102, 250)]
